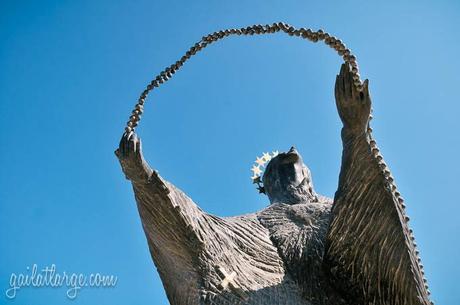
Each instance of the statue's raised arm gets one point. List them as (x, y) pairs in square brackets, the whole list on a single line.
[(170, 220), (369, 252)]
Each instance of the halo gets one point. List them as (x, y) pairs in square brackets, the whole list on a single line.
[(258, 168)]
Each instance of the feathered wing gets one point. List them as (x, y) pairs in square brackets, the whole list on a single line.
[(370, 253)]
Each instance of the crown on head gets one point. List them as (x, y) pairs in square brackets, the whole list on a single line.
[(258, 168)]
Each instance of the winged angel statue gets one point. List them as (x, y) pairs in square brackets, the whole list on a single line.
[(303, 248)]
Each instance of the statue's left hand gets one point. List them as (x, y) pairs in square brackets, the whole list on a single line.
[(129, 154), (354, 106)]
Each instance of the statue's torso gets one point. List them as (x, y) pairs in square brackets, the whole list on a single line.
[(243, 246), (275, 255), (298, 232)]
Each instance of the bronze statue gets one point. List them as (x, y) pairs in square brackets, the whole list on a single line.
[(303, 248)]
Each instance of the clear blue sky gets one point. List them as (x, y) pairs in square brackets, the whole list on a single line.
[(72, 70)]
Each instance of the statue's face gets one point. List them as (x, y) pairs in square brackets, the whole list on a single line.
[(285, 173)]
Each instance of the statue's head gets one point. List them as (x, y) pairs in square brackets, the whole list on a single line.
[(287, 179)]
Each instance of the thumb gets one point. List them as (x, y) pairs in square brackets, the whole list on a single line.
[(366, 88)]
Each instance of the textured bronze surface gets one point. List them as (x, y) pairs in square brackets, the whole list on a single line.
[(303, 248)]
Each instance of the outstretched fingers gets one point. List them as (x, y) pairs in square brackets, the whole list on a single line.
[(127, 146), (133, 144), (343, 83)]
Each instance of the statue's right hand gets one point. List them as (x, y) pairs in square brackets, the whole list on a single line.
[(129, 154)]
